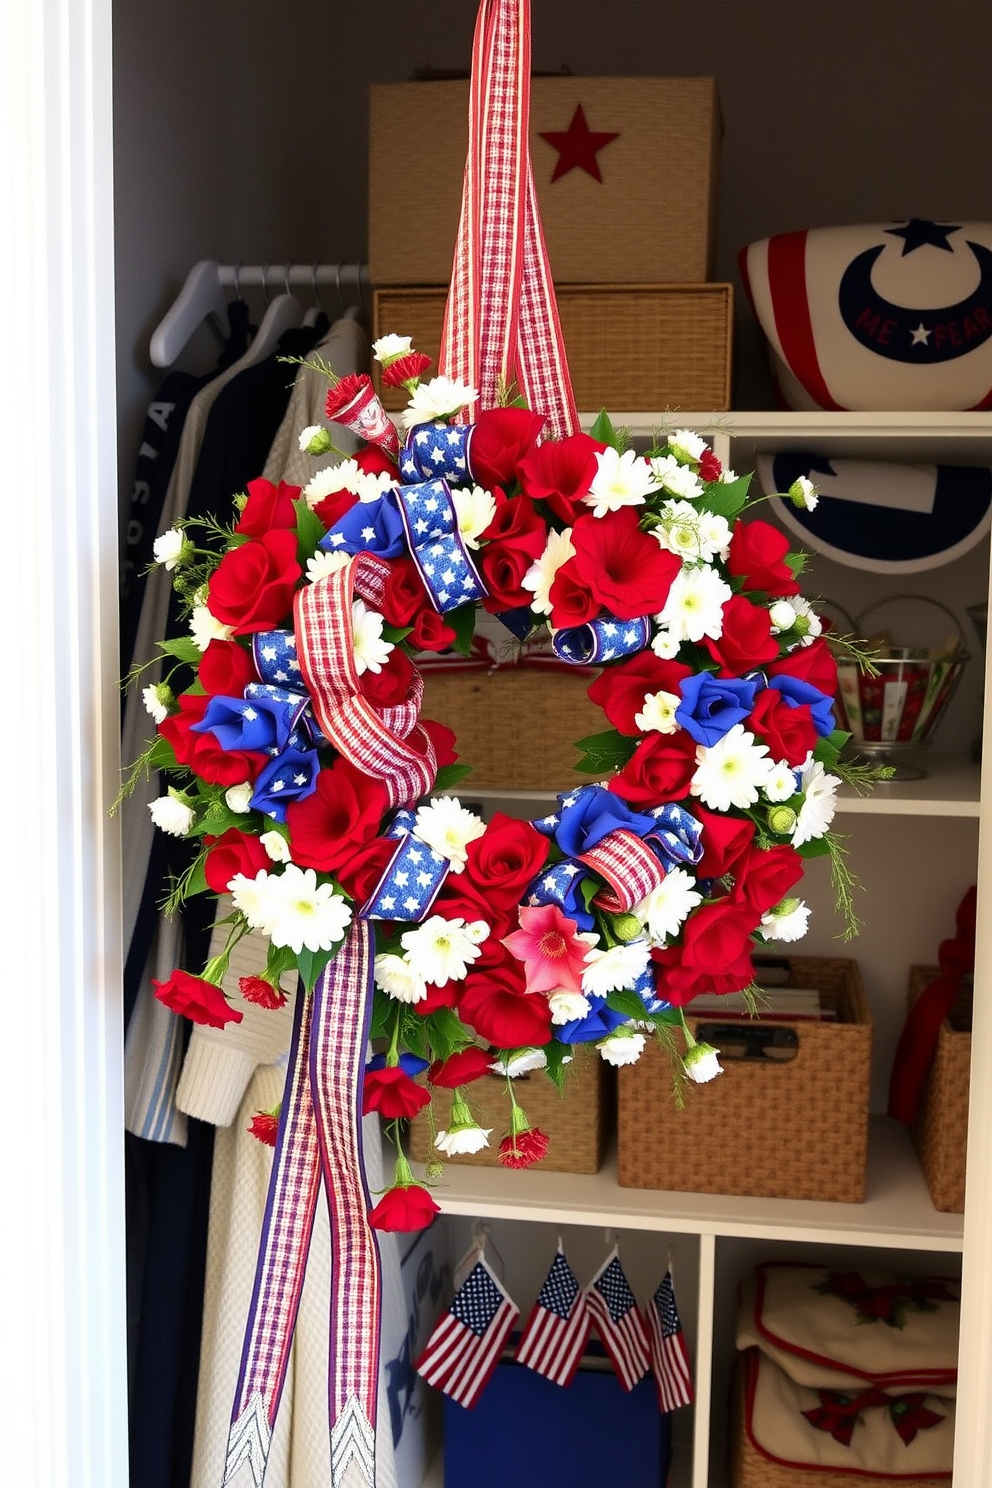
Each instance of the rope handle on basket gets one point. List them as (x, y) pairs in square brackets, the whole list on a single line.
[(501, 320)]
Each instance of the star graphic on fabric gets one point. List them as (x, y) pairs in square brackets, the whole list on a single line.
[(431, 505), (423, 879), (388, 901), (422, 436), (577, 146), (402, 879), (920, 232), (269, 653), (281, 676), (410, 904), (921, 336), (414, 855), (420, 525), (453, 436), (294, 666), (249, 715)]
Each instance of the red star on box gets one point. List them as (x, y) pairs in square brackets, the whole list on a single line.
[(577, 146)]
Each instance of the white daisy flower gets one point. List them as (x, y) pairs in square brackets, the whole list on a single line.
[(664, 911), (819, 803), (543, 571), (694, 607), (157, 700), (803, 493), (256, 897), (323, 564), (438, 398), (388, 348), (169, 548), (474, 510), (714, 536), (276, 847), (620, 480), (658, 714), (781, 783), (678, 530), (701, 1064), (342, 477), (614, 969), (305, 913), (677, 479), (172, 814), (727, 476), (440, 950), (397, 978), (787, 921), (448, 827), (371, 651), (205, 627), (477, 931), (238, 797), (566, 1006), (687, 446), (732, 771), (622, 1048), (807, 620), (665, 645), (462, 1139), (522, 1062)]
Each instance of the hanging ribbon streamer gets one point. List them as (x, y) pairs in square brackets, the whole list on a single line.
[(436, 545), (501, 319)]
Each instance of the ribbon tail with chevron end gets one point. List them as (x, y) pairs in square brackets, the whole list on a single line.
[(248, 1446), (353, 1448)]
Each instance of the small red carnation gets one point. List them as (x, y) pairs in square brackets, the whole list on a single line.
[(392, 1093), (710, 468), (345, 392), (196, 999), (263, 993), (523, 1149), (264, 1126), (405, 369)]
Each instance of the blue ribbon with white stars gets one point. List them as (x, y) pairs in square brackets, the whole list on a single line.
[(560, 885), (677, 837), (605, 639), (276, 662), (436, 545), (412, 878), (646, 989), (437, 449)]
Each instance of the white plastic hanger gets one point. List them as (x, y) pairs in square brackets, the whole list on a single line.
[(283, 313), (201, 298)]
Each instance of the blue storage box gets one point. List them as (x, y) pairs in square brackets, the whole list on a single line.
[(527, 1432)]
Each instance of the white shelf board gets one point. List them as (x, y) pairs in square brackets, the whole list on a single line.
[(897, 1214)]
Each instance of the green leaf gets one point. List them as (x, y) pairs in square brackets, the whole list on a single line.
[(450, 775), (445, 1032), (462, 622), (395, 633), (602, 753), (184, 648), (818, 848), (383, 1009), (196, 883), (309, 531), (626, 1002), (604, 431), (796, 563), (726, 498), (557, 1069), (312, 963), (162, 756)]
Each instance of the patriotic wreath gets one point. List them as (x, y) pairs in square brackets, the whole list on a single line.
[(298, 756)]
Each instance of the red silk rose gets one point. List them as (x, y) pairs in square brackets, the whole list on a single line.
[(718, 935), (502, 437), (443, 739), (746, 642), (620, 690), (659, 770), (624, 568), (375, 461), (724, 840), (516, 524), (406, 1207), (336, 504), (571, 601), (337, 818), (679, 982), (814, 664), (756, 557), (766, 875), (201, 752), (360, 874), (503, 568), (226, 669), (561, 472), (461, 1068), (392, 1093), (789, 732), (499, 1007), (267, 506), (505, 860), (393, 683), (430, 633), (232, 853), (252, 587), (404, 594), (193, 998)]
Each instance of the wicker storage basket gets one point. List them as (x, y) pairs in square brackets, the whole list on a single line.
[(752, 1468), (631, 347), (666, 130), (940, 1131), (516, 726), (578, 1122), (796, 1129)]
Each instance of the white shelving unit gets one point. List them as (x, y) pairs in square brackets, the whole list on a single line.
[(935, 822)]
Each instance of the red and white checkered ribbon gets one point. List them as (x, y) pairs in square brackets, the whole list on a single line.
[(388, 743), (501, 320), (628, 865), (319, 1139)]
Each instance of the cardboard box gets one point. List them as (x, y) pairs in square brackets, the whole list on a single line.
[(650, 217)]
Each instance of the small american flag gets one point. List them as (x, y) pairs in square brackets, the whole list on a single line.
[(465, 1346), (669, 1354), (557, 1331), (620, 1325)]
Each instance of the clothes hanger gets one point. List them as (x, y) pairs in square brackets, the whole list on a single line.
[(283, 313), (316, 309), (201, 298)]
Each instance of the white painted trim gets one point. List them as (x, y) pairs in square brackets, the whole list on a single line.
[(62, 1367)]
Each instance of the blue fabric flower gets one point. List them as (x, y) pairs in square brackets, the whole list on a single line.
[(370, 527), (263, 724), (796, 692), (597, 1023), (711, 705), (410, 1064), (587, 815), (292, 776)]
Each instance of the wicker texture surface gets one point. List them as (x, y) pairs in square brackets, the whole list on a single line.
[(631, 347), (774, 1130), (578, 1122), (940, 1131)]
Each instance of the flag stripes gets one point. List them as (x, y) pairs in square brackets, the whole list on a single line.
[(618, 1322), (464, 1348), (669, 1353), (556, 1333)]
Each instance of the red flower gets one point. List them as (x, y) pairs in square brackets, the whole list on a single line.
[(517, 524), (267, 506), (524, 1149), (502, 437), (201, 752), (460, 898), (226, 669), (231, 853), (659, 770), (620, 690), (430, 633), (260, 991), (392, 1093), (264, 1126), (789, 732), (340, 816), (443, 739), (344, 392), (404, 593), (679, 983), (710, 468), (252, 587), (766, 875), (755, 557), (374, 460), (461, 1068), (196, 999), (393, 683), (361, 873), (746, 642), (332, 507), (724, 839), (561, 472), (814, 664), (715, 936), (406, 1207), (505, 859), (572, 602), (437, 997), (624, 568), (503, 568), (497, 1004), (405, 369)]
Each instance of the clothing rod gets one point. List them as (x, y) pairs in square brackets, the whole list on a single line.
[(274, 276)]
